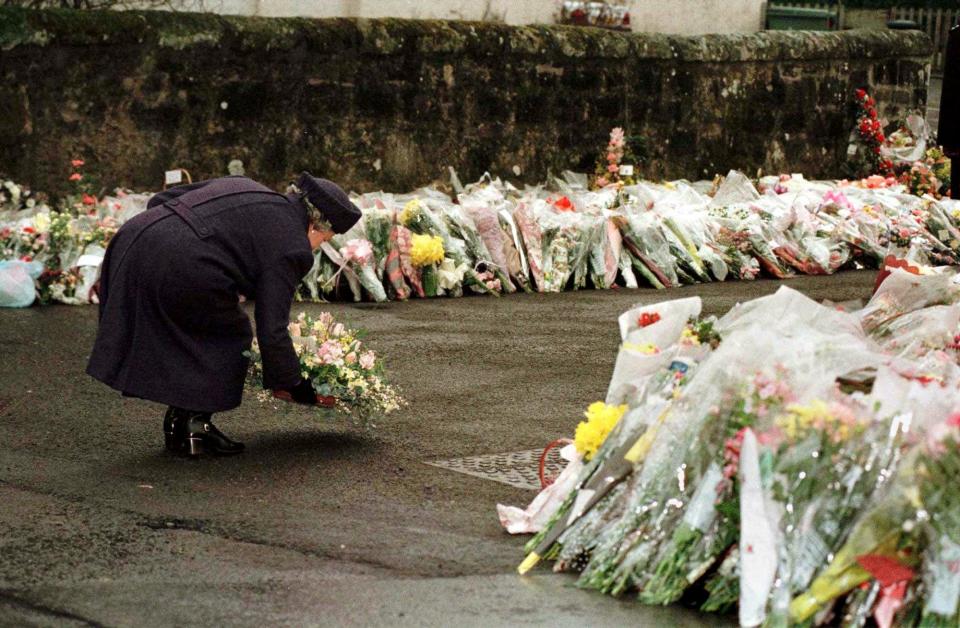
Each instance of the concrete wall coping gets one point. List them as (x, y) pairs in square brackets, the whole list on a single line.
[(383, 37)]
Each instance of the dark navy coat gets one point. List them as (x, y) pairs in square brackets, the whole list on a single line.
[(171, 326)]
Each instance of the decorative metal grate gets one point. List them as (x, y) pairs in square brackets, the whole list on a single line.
[(516, 468)]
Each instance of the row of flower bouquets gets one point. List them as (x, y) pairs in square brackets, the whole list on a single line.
[(496, 239)]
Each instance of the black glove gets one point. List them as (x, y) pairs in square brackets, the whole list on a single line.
[(304, 393)]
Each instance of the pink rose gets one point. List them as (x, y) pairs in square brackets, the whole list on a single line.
[(351, 358), (613, 168), (368, 360)]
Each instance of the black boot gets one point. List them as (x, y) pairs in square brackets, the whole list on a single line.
[(198, 435), (171, 419)]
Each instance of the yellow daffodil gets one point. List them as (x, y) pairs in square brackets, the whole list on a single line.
[(590, 434), (426, 250)]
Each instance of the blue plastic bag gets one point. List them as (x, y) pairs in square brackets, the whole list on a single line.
[(17, 288)]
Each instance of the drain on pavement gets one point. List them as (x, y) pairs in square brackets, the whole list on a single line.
[(516, 468)]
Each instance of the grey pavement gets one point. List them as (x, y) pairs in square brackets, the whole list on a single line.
[(317, 523)]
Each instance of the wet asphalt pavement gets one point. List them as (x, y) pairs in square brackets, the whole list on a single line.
[(317, 523)]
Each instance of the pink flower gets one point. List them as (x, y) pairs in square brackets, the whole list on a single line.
[(76, 163), (330, 352), (616, 136), (368, 360), (611, 157), (351, 358), (325, 319), (358, 250), (602, 182), (904, 233), (76, 176), (295, 330), (613, 168)]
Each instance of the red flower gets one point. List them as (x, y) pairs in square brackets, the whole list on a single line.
[(892, 262), (648, 318), (876, 149), (76, 163), (870, 102), (872, 113), (885, 569), (26, 258), (865, 126), (89, 200), (29, 230), (954, 420), (564, 204), (76, 176)]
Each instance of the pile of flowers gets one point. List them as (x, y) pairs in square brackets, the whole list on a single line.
[(347, 375), (69, 239), (492, 238), (795, 464)]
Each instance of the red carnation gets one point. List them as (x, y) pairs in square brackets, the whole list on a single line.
[(647, 319)]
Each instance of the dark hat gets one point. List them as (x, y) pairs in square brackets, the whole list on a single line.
[(331, 201)]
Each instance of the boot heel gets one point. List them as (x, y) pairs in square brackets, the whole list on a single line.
[(194, 447)]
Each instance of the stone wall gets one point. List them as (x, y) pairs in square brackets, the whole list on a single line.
[(391, 103)]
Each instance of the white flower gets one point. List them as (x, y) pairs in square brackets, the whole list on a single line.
[(42, 221)]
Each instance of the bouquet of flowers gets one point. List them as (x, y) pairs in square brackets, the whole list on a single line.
[(359, 254), (870, 136), (348, 377)]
